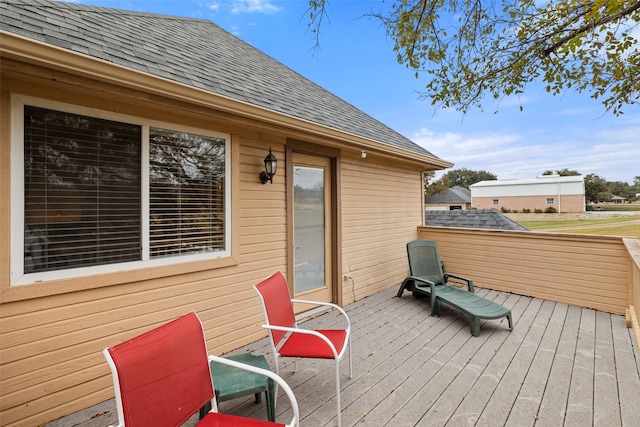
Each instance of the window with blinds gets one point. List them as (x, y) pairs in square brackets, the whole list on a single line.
[(85, 204), (81, 191), (186, 193)]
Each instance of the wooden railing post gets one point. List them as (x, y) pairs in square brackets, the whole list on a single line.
[(633, 313)]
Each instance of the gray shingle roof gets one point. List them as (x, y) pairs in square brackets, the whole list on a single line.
[(455, 194), (475, 218), (195, 52)]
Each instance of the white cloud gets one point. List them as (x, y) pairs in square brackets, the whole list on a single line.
[(514, 101), (254, 6), (611, 152)]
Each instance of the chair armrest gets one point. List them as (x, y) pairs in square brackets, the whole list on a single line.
[(464, 279), (327, 304), (431, 284), (282, 383)]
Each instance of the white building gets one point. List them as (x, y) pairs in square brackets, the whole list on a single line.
[(563, 193)]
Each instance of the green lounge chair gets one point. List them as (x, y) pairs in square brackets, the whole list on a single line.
[(428, 279)]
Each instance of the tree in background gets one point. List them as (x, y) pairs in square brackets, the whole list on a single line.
[(466, 177), (596, 189), (472, 50), (456, 177), (562, 172), (435, 187), (622, 189)]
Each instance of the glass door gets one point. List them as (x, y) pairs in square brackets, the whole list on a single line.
[(312, 227)]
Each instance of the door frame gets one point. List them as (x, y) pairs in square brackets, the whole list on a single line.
[(333, 155)]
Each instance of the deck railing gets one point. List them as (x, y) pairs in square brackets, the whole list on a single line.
[(599, 272), (633, 312)]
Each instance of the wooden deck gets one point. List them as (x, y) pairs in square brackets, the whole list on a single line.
[(560, 366)]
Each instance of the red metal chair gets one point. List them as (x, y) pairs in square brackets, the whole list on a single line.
[(287, 340), (162, 378)]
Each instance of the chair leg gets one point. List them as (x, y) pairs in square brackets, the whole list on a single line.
[(270, 398), (350, 360), (510, 321), (435, 306), (474, 323), (275, 388), (338, 391), (402, 287)]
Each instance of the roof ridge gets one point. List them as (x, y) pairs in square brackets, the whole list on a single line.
[(102, 10)]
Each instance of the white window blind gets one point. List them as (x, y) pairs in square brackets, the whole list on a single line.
[(116, 192), (81, 191), (186, 193)]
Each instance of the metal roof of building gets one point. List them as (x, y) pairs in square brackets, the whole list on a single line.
[(542, 179)]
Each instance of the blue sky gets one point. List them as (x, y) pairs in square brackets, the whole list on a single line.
[(356, 62)]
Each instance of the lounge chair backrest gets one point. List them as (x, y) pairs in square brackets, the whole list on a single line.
[(424, 260), (276, 299), (163, 375)]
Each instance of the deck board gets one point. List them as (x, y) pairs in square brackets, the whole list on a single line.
[(627, 367), (560, 366), (526, 408), (606, 410)]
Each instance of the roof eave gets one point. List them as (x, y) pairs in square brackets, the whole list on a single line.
[(43, 54)]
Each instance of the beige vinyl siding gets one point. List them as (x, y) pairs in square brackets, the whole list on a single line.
[(53, 333), (381, 208), (51, 348), (261, 228), (587, 271)]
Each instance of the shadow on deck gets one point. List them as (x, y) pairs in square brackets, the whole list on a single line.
[(561, 365)]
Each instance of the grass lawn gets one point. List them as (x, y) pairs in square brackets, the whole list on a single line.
[(534, 225), (631, 230), (615, 208), (590, 226)]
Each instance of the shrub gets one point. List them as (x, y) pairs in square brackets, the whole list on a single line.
[(550, 209), (526, 210), (538, 210)]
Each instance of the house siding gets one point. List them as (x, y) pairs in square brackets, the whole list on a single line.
[(567, 193), (567, 203), (381, 208), (52, 334), (447, 206)]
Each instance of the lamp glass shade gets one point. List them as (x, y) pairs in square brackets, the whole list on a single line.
[(270, 164)]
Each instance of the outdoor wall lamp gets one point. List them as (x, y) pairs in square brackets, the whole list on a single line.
[(270, 166)]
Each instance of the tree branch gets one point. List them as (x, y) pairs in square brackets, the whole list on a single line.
[(586, 27)]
